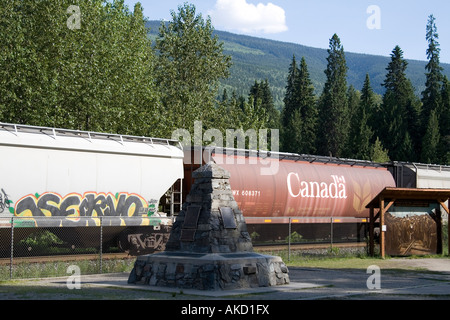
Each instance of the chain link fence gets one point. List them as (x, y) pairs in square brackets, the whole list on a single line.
[(338, 236), (48, 247), (27, 251), (33, 248), (313, 236)]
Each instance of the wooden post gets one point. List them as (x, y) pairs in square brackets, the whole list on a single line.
[(438, 220), (442, 203), (383, 210), (382, 239), (371, 233)]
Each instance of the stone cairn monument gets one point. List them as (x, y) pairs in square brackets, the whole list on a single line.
[(209, 246)]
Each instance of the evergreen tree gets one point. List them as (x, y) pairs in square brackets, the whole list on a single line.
[(369, 104), (294, 134), (300, 111), (334, 122), (399, 111), (308, 109), (445, 107), (290, 105), (261, 95), (444, 121), (360, 146), (256, 93), (431, 96), (290, 98), (353, 97), (378, 153), (224, 95), (431, 140)]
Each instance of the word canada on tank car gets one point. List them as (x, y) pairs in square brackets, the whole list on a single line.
[(335, 189)]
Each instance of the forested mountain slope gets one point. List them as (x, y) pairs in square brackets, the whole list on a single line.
[(259, 59)]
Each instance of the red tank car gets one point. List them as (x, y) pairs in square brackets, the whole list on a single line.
[(303, 189), (289, 185)]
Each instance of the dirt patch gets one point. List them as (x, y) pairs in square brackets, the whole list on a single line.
[(429, 264)]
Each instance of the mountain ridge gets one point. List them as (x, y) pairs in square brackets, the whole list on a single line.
[(256, 59)]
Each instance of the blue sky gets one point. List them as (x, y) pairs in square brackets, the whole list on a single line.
[(364, 26)]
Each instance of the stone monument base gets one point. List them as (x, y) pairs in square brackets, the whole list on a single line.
[(211, 271)]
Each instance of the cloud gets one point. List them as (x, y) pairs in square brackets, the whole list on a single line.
[(238, 15)]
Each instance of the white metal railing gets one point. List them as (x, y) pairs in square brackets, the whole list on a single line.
[(55, 132)]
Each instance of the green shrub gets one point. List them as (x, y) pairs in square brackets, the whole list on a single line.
[(294, 237)]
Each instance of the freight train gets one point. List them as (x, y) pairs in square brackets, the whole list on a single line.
[(72, 182), (314, 197)]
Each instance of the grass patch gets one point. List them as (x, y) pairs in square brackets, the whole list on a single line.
[(334, 259), (59, 269)]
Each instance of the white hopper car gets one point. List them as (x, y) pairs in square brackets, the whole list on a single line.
[(69, 180)]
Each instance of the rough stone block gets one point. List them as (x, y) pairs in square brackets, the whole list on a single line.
[(249, 270)]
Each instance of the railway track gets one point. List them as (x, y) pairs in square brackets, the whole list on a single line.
[(308, 246), (64, 258), (109, 256)]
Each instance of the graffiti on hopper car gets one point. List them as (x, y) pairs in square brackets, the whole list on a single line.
[(91, 204), (5, 203), (74, 209)]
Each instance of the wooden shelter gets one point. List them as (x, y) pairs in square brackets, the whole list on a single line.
[(389, 197)]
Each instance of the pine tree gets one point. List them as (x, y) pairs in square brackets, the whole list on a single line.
[(269, 106), (224, 95), (431, 96), (353, 97), (444, 121), (400, 108), (334, 122), (260, 96), (369, 103), (431, 140), (294, 133), (360, 146), (445, 107), (300, 111), (378, 153), (308, 109), (290, 105)]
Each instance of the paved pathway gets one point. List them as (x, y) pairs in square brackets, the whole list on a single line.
[(431, 281)]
